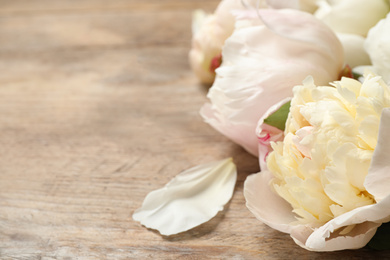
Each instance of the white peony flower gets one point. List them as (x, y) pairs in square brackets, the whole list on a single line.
[(377, 45), (352, 16), (261, 64), (351, 20), (327, 182)]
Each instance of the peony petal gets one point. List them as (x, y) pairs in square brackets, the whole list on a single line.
[(316, 33), (266, 204), (377, 181), (354, 53), (363, 234), (376, 45), (293, 4), (367, 219), (352, 16), (199, 17), (267, 134), (192, 198)]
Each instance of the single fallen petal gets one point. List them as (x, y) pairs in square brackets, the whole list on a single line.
[(192, 198)]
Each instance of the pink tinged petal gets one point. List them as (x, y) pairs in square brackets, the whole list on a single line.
[(267, 134), (215, 62), (302, 140), (236, 133), (313, 32), (377, 181), (192, 198), (265, 204)]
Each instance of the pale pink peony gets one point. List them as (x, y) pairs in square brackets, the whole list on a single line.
[(262, 63)]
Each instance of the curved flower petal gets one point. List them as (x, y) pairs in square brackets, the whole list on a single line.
[(376, 45), (293, 4), (267, 205), (362, 235), (261, 66), (367, 219), (303, 5), (352, 16), (192, 198), (377, 181), (354, 53)]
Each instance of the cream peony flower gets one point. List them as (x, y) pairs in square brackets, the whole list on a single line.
[(262, 63), (377, 45), (327, 182)]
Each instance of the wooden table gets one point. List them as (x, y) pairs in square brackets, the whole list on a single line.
[(99, 107)]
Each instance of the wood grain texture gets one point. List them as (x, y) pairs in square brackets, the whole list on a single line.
[(99, 107)]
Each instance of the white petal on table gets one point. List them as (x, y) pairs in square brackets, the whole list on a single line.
[(192, 198)]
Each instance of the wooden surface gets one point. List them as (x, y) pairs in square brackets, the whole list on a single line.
[(99, 107)]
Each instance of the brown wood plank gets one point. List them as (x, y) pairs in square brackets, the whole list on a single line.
[(99, 107)]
